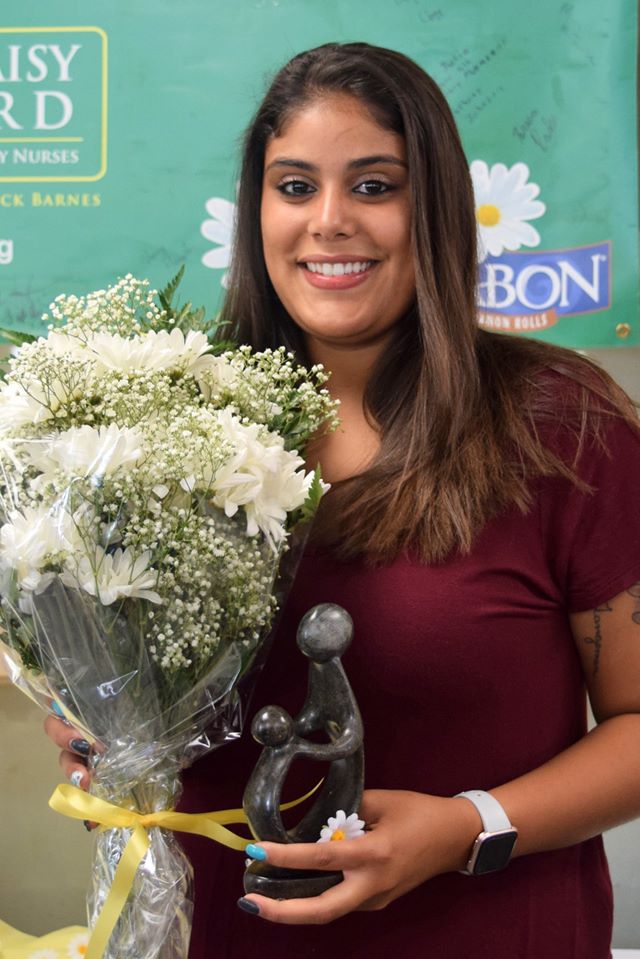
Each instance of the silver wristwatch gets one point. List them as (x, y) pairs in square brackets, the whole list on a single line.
[(492, 848)]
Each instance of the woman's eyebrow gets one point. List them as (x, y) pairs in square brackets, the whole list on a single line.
[(377, 158), (353, 164)]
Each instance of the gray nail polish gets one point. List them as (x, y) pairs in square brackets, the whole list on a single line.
[(247, 906)]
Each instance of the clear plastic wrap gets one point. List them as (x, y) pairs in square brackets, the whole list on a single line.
[(153, 512), (90, 659)]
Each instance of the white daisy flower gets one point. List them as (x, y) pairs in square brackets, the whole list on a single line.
[(342, 826), (111, 576), (504, 203), (85, 451), (78, 946), (219, 230)]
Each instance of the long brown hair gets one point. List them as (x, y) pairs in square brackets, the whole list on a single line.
[(460, 411)]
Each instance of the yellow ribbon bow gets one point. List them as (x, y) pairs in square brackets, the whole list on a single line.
[(74, 802)]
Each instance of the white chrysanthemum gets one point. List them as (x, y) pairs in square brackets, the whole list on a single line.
[(188, 351), (504, 201), (85, 451), (21, 408), (30, 537), (11, 452), (218, 374), (111, 576), (33, 401), (151, 351), (220, 230), (263, 477), (124, 353), (61, 344), (77, 948), (341, 827)]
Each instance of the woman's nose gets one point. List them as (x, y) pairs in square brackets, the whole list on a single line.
[(331, 215)]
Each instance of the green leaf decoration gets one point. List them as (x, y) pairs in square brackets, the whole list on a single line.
[(15, 337), (186, 317), (310, 505), (167, 294)]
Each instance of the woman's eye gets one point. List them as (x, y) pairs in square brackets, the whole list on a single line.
[(372, 188), (295, 188)]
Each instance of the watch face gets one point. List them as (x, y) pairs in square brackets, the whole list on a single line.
[(494, 852)]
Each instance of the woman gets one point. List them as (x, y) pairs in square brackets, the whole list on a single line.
[(479, 530)]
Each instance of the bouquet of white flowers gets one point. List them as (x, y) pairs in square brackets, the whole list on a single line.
[(149, 482)]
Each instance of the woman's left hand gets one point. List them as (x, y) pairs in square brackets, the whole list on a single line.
[(410, 838)]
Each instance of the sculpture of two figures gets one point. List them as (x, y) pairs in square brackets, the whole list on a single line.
[(330, 707)]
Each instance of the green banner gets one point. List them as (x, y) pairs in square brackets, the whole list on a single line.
[(119, 128)]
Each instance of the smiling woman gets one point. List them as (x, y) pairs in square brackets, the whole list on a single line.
[(478, 531), (336, 223)]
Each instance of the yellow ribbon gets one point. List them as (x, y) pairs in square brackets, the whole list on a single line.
[(74, 802)]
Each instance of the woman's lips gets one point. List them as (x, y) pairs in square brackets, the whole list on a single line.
[(342, 282)]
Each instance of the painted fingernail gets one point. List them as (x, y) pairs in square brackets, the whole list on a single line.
[(81, 746), (58, 712), (248, 906), (76, 778), (86, 824), (256, 852)]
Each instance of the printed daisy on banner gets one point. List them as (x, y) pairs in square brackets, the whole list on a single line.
[(219, 230), (505, 202)]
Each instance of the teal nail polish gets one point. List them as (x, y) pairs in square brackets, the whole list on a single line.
[(247, 906), (56, 708), (256, 852)]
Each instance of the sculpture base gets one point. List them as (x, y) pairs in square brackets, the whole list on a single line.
[(277, 883)]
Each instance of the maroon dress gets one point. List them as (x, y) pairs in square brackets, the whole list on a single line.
[(467, 676)]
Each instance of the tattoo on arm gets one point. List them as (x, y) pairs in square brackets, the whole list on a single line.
[(596, 639), (634, 591)]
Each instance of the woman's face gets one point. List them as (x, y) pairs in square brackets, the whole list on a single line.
[(336, 222)]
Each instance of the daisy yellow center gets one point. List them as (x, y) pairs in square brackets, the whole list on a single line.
[(338, 834), (488, 214)]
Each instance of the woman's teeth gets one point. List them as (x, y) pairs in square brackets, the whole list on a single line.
[(339, 269)]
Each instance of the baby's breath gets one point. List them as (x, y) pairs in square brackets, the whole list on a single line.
[(174, 511)]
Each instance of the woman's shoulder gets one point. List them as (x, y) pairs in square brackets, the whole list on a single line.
[(561, 384), (565, 402)]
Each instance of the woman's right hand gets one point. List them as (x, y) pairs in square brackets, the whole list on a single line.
[(76, 750)]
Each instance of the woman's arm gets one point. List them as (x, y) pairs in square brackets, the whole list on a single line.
[(593, 785)]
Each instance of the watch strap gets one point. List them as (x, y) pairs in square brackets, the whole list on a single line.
[(493, 816)]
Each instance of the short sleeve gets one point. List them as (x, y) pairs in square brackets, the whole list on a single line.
[(593, 539)]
